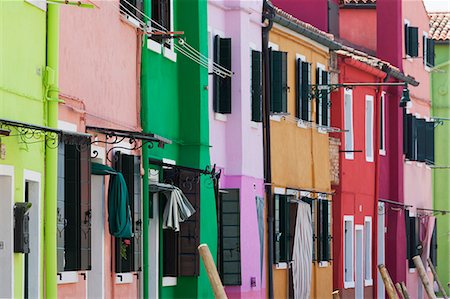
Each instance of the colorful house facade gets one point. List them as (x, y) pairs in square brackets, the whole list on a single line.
[(439, 30), (23, 86), (235, 115)]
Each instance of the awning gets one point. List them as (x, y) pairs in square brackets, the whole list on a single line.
[(177, 209)]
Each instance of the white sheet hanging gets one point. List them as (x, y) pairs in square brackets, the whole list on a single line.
[(302, 252)]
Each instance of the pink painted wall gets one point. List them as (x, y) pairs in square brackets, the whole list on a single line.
[(99, 83), (351, 22), (237, 141)]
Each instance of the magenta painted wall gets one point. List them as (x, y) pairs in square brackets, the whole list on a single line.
[(99, 82), (236, 141), (314, 12)]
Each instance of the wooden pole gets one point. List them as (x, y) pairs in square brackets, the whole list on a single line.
[(389, 285), (399, 290), (436, 278), (404, 290), (213, 275), (423, 276)]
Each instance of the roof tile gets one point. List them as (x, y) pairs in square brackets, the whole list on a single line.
[(358, 1), (440, 25)]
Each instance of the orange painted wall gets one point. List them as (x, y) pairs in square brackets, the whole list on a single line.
[(300, 156)]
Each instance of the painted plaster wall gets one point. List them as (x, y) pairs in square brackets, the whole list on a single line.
[(300, 157), (441, 108), (21, 85), (94, 44), (350, 22), (176, 108)]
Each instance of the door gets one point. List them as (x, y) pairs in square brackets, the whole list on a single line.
[(359, 262), (6, 233), (153, 238), (381, 249)]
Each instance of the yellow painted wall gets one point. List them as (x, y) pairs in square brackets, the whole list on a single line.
[(300, 156)]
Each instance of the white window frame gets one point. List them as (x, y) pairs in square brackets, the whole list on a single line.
[(368, 280), (349, 283), (369, 128), (350, 132), (382, 150)]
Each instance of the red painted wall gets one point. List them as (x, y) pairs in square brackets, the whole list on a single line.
[(359, 26)]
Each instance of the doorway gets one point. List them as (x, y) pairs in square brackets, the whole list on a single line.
[(381, 249), (6, 233), (359, 262)]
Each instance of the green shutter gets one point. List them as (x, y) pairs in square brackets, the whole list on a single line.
[(256, 87), (281, 228), (222, 86), (325, 101), (305, 91), (61, 220), (324, 238), (430, 52), (318, 96), (413, 41), (85, 209), (278, 81), (298, 88), (421, 140), (406, 39), (429, 143)]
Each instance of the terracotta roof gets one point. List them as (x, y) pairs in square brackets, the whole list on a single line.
[(358, 2), (440, 25)]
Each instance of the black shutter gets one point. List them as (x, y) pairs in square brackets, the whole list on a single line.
[(61, 221), (190, 229), (434, 245), (324, 233), (406, 39), (72, 208), (325, 100), (292, 225), (411, 137), (281, 229), (318, 95), (279, 81), (430, 52), (305, 91), (413, 41), (256, 87), (137, 220), (408, 236), (414, 239), (85, 209), (222, 86), (230, 237), (405, 133), (421, 139), (429, 143), (298, 88)]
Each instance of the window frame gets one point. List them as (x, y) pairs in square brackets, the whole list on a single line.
[(166, 47), (299, 91), (349, 132), (368, 228), (253, 117), (349, 219), (369, 128), (382, 149)]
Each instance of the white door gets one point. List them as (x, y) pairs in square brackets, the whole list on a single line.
[(359, 262), (6, 233), (153, 238), (381, 249)]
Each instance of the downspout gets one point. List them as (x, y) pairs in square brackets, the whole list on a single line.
[(268, 14), (51, 154)]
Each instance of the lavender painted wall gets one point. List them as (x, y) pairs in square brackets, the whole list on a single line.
[(237, 141)]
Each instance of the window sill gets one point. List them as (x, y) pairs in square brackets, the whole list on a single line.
[(123, 278), (349, 156), (322, 131), (130, 20), (427, 68), (169, 281), (153, 46), (412, 270), (368, 282), (303, 124), (323, 264), (382, 152), (67, 277), (280, 266), (275, 118), (349, 284), (170, 54), (254, 124), (220, 117)]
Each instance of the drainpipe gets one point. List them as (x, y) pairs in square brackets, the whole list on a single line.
[(51, 154), (268, 14)]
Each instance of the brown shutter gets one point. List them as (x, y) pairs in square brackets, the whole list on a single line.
[(85, 209)]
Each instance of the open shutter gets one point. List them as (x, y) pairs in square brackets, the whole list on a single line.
[(413, 41), (281, 229), (61, 221), (230, 237), (137, 220), (410, 136), (222, 86), (85, 209), (256, 87), (306, 109), (298, 88), (318, 96), (413, 239), (292, 225), (421, 139), (434, 245), (277, 228), (406, 39), (429, 144), (279, 81), (325, 101), (430, 52)]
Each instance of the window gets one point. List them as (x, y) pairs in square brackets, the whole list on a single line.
[(428, 50), (73, 206), (348, 252), (383, 124), (303, 81), (128, 251), (369, 128), (368, 251), (256, 86), (133, 8), (161, 14), (418, 139), (229, 237), (413, 246), (348, 123), (278, 80), (411, 40), (324, 229), (281, 229), (180, 254), (222, 86), (322, 98)]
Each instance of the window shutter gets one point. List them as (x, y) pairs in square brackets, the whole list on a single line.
[(292, 226), (137, 221), (284, 248), (430, 52), (434, 245), (256, 87), (170, 237), (298, 88), (414, 239), (429, 144), (85, 209), (281, 229), (222, 86), (424, 49), (406, 39), (279, 81), (421, 140), (325, 101), (318, 96), (413, 40), (410, 134), (61, 221), (230, 237), (305, 91), (189, 235), (277, 228), (405, 133), (324, 237)]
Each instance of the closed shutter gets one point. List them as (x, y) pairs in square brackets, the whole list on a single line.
[(325, 101), (137, 220), (410, 139), (413, 41), (230, 237), (281, 229), (324, 231), (222, 86), (278, 81), (434, 245), (306, 81), (85, 209), (421, 139), (405, 133), (430, 52), (318, 96), (190, 229), (429, 144), (406, 39), (256, 86), (61, 220)]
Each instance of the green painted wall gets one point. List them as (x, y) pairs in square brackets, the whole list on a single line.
[(22, 61), (441, 108), (175, 105)]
